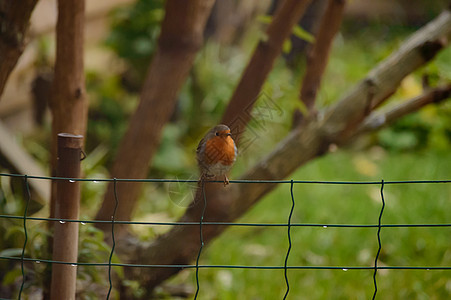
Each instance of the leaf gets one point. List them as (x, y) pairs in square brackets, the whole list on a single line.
[(286, 47), (301, 33), (265, 19)]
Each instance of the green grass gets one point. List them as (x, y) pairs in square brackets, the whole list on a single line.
[(341, 204)]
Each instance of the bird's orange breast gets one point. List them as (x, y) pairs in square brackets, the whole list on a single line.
[(220, 150)]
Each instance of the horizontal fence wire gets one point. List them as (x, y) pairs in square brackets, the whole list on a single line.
[(206, 223), (181, 266), (25, 218), (164, 180)]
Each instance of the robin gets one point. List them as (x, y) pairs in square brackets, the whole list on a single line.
[(216, 153)]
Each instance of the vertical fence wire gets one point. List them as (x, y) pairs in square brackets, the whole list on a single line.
[(201, 236), (378, 239), (28, 196), (289, 241), (112, 237)]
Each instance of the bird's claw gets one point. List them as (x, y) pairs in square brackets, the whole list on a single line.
[(204, 176)]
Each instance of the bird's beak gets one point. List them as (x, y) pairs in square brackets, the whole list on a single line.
[(229, 134)]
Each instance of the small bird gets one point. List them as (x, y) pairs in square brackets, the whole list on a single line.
[(216, 153)]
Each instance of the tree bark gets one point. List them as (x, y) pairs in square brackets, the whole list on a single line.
[(180, 39), (181, 244), (14, 23), (237, 114), (319, 55)]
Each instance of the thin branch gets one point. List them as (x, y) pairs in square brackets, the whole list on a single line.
[(237, 114), (378, 120), (319, 55)]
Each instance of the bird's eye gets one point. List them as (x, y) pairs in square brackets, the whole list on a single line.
[(217, 133)]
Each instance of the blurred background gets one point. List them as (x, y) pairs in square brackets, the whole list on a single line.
[(121, 38)]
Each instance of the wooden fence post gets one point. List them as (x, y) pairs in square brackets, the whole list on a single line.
[(67, 205)]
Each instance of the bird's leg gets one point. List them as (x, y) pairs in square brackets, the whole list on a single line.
[(201, 179)]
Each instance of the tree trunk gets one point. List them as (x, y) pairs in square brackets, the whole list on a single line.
[(237, 114), (180, 39), (14, 22), (181, 244)]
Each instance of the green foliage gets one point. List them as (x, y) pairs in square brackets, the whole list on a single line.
[(92, 249), (109, 111), (135, 287), (427, 129), (134, 32)]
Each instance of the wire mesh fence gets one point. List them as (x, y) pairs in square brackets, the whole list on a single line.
[(201, 223)]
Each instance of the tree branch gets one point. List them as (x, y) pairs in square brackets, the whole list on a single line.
[(319, 55), (378, 120), (181, 244), (14, 23), (382, 81), (181, 37), (237, 114)]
